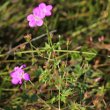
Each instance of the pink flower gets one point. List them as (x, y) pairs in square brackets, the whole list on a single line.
[(39, 13), (18, 75), (46, 10), (35, 19)]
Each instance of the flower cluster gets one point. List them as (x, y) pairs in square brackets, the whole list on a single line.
[(18, 75), (39, 13)]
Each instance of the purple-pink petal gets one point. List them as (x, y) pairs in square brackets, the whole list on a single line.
[(23, 66), (16, 68), (48, 13), (12, 74), (37, 12), (14, 81), (39, 23), (32, 23), (49, 7), (26, 77), (42, 5), (30, 17)]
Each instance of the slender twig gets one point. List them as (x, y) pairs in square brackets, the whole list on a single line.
[(34, 39), (61, 51)]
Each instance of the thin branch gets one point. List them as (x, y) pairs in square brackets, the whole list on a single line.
[(34, 39)]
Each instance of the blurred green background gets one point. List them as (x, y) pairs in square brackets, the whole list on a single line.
[(76, 19)]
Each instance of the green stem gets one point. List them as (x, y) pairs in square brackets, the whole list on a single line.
[(61, 51), (59, 94), (48, 34)]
